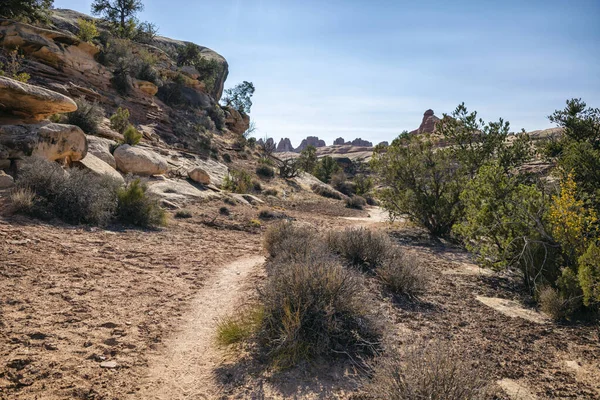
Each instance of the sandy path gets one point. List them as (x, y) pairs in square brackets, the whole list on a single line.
[(184, 369)]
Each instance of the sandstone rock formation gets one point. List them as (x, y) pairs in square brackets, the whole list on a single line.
[(235, 121), (47, 140), (427, 124), (98, 167), (311, 141), (284, 145), (100, 147), (29, 103), (199, 175), (139, 161), (339, 141), (361, 143)]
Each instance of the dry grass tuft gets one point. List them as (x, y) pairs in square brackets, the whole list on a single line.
[(431, 372), (360, 247), (403, 274)]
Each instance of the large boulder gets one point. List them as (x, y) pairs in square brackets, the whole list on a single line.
[(47, 140), (20, 100), (139, 161), (99, 167), (100, 147), (235, 121), (199, 175)]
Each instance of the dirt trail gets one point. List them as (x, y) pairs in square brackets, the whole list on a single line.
[(184, 369)]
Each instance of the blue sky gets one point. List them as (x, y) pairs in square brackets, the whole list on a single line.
[(370, 68)]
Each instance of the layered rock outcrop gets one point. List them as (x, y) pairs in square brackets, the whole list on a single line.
[(339, 141), (361, 143), (28, 103), (427, 124)]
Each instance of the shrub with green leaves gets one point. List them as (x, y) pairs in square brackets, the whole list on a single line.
[(420, 181), (11, 65), (137, 207), (29, 10), (87, 30), (363, 184), (132, 136), (119, 121), (325, 168), (239, 97), (265, 171), (357, 202), (326, 191), (238, 181), (87, 116), (589, 275), (308, 158)]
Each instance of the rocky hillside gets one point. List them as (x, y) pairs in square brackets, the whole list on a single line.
[(174, 105)]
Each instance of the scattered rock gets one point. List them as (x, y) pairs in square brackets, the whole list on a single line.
[(199, 175), (100, 147), (99, 167), (139, 161), (31, 103), (512, 309), (50, 346), (109, 364), (6, 181)]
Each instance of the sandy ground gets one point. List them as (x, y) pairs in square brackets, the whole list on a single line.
[(127, 314)]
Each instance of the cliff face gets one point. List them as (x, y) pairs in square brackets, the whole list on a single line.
[(284, 145)]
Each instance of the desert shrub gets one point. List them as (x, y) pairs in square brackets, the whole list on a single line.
[(357, 202), (121, 81), (420, 181), (434, 371), (265, 171), (372, 201), (171, 92), (145, 32), (325, 168), (147, 72), (325, 191), (270, 192), (240, 326), (315, 308), (138, 208), (183, 214), (119, 121), (504, 224), (288, 240), (226, 158), (229, 200), (21, 199), (360, 247), (131, 135), (589, 275), (11, 65), (403, 274), (238, 181), (224, 211), (77, 196), (87, 30), (255, 223), (251, 142), (551, 303), (257, 186), (341, 184), (87, 116), (289, 168), (363, 184), (308, 158), (266, 213)]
